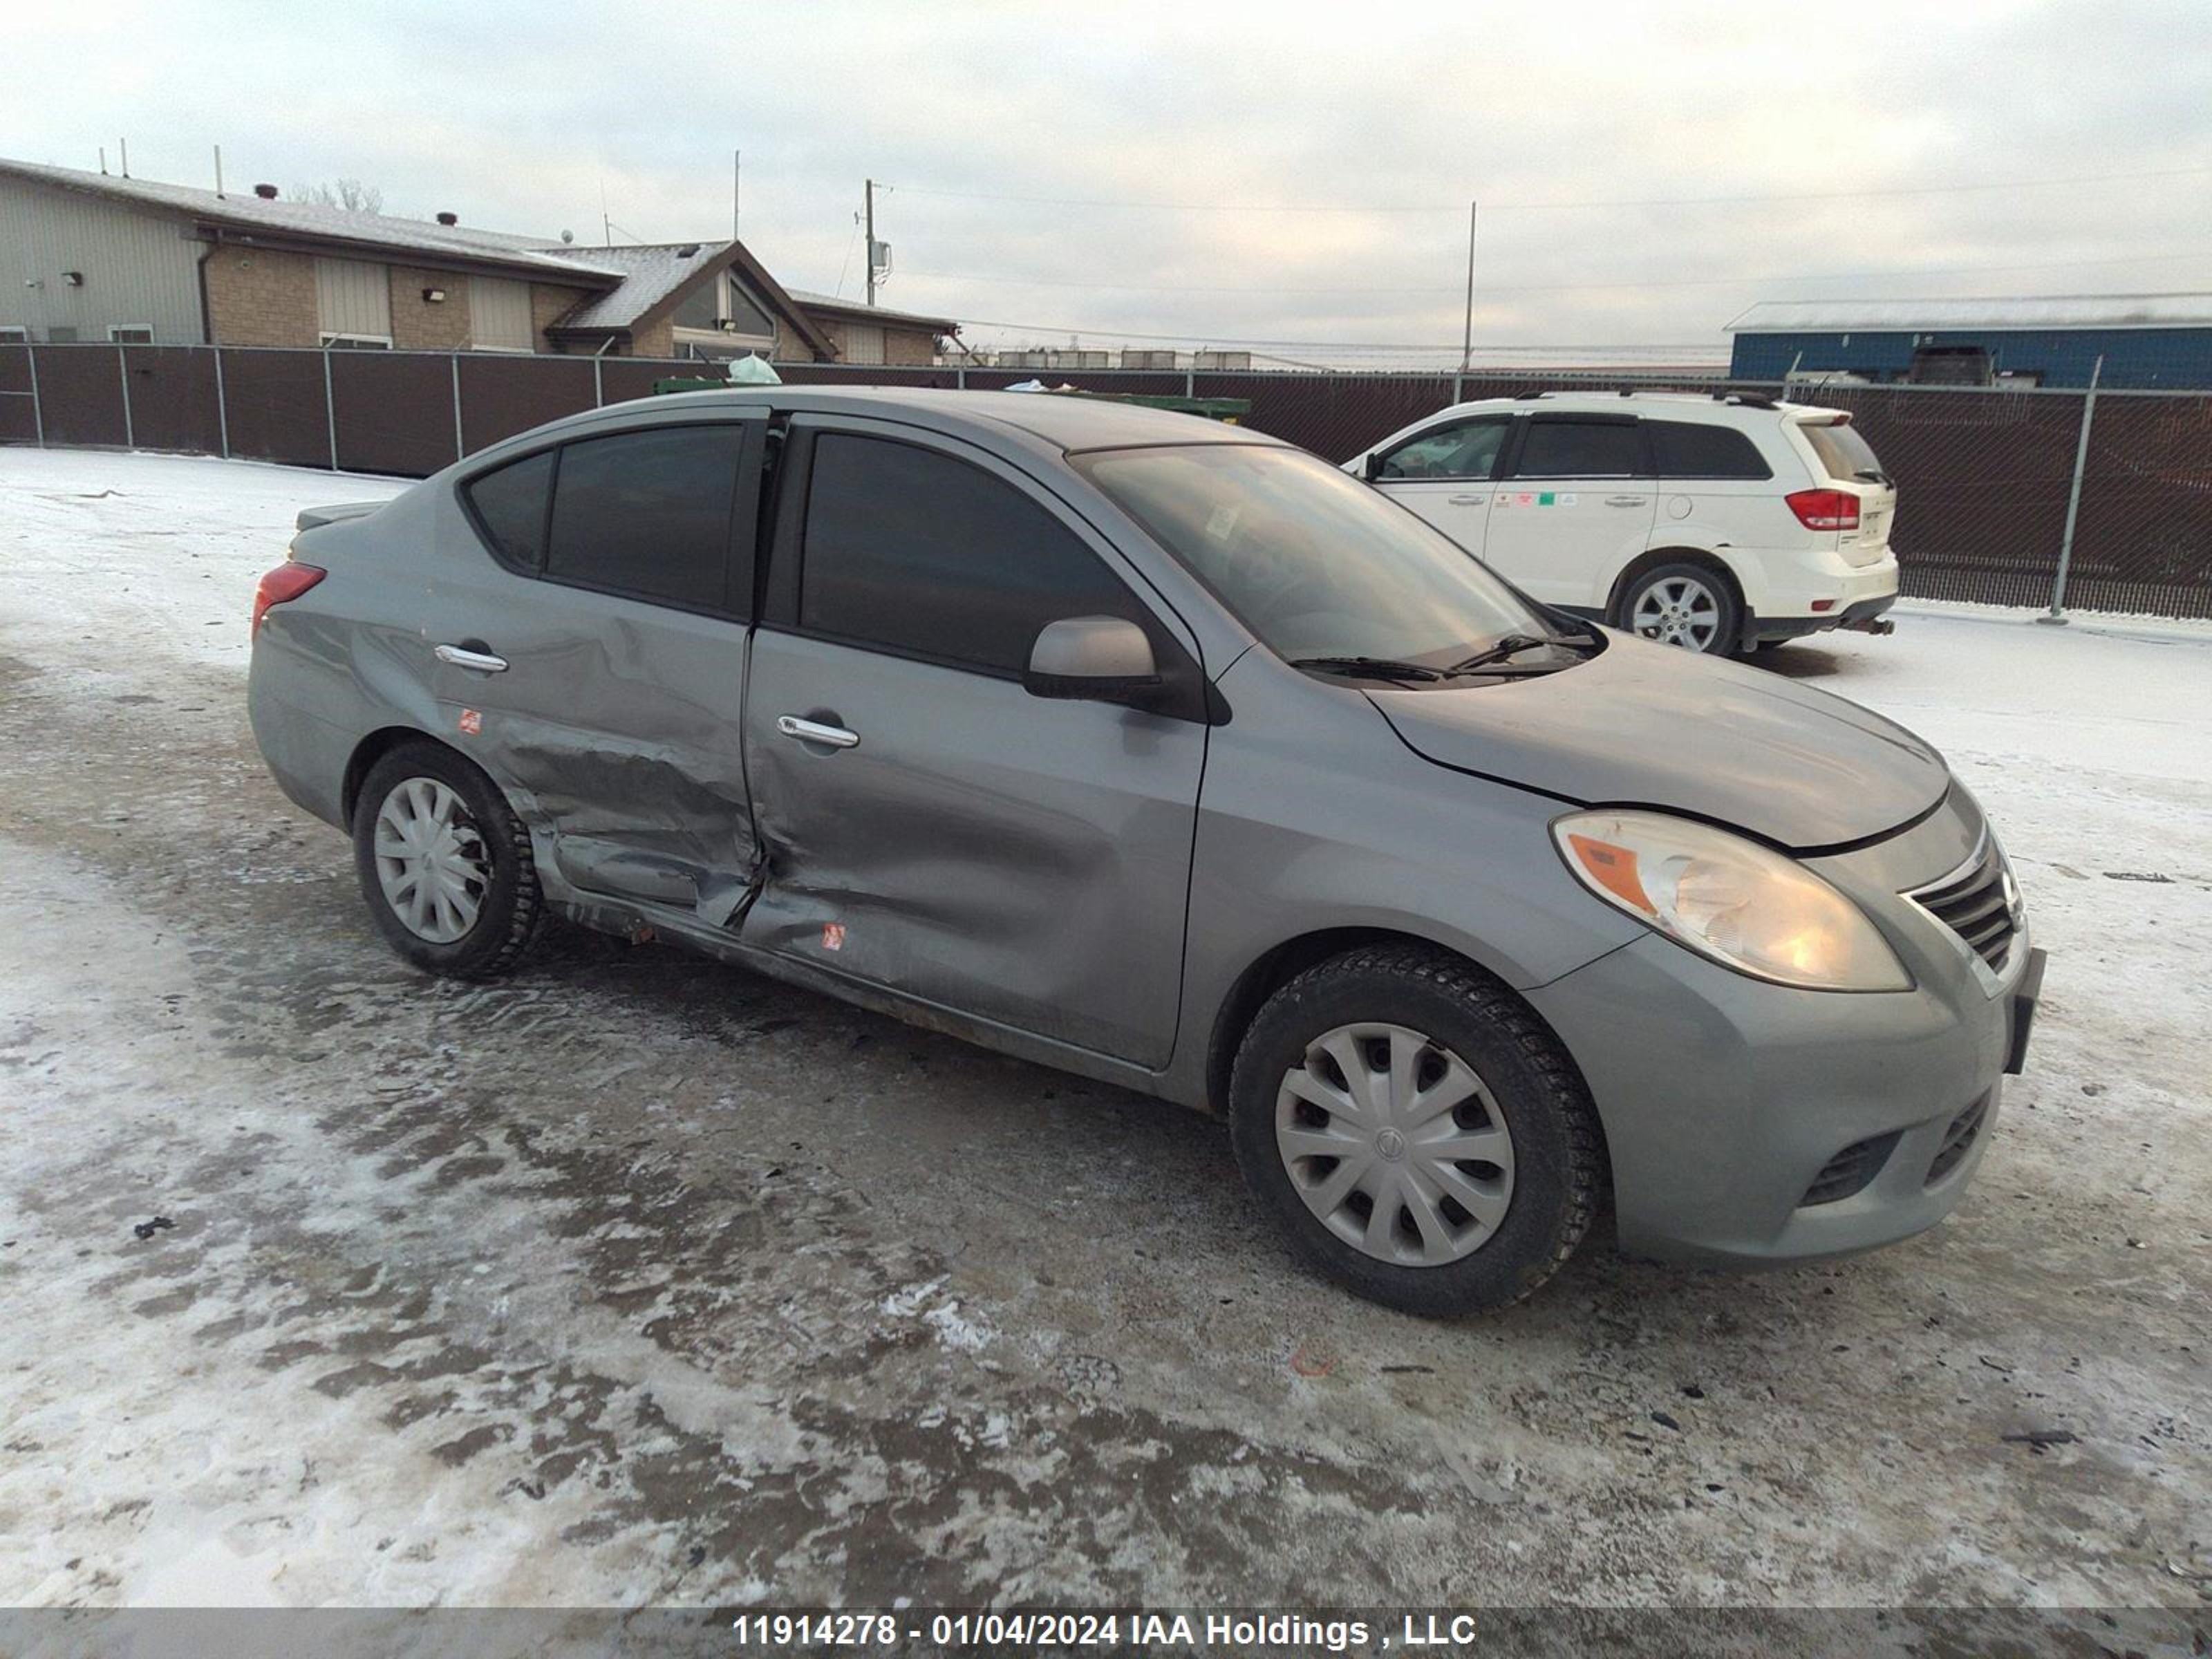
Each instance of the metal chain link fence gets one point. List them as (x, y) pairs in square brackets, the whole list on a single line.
[(2007, 495)]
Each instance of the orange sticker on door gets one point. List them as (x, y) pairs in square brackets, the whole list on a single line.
[(472, 722), (833, 935)]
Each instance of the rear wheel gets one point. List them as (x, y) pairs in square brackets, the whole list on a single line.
[(1690, 606), (444, 863), (1415, 1132)]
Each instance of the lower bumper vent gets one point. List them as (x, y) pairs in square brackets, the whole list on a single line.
[(1848, 1173), (1958, 1139)]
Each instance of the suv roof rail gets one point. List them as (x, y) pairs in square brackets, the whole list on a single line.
[(1748, 399), (1529, 396)]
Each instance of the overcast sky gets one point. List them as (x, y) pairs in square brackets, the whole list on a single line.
[(1376, 124)]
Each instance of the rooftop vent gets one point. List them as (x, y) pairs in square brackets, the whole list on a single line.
[(266, 192), (687, 250), (449, 218)]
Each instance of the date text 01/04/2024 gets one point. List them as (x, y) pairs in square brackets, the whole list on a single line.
[(1059, 1628)]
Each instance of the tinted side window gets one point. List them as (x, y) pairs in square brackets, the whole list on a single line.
[(510, 508), (918, 552), (1581, 449), (1685, 450), (648, 513), (1465, 449)]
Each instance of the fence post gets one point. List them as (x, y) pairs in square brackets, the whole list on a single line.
[(599, 384), (960, 376), (1459, 388), (122, 374), (460, 449), (222, 403), (1190, 380), (2056, 614), (330, 410), (38, 407)]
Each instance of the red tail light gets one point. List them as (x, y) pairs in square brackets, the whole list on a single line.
[(286, 581), (1825, 509)]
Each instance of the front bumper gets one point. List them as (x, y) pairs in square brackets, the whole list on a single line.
[(1750, 1124)]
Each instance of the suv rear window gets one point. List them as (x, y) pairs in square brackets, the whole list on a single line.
[(1688, 449), (1848, 457)]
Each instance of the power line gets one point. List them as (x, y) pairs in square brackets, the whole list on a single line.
[(2045, 183), (1324, 346), (1571, 288)]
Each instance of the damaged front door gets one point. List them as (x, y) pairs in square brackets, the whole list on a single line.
[(929, 825), (592, 655)]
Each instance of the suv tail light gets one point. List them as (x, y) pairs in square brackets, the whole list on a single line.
[(287, 581), (1825, 509)]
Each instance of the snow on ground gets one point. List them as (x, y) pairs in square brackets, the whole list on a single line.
[(637, 1278)]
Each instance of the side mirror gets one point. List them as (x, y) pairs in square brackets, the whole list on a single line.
[(1372, 468), (1092, 660)]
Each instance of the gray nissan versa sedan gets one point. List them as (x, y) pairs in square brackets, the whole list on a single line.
[(1163, 752)]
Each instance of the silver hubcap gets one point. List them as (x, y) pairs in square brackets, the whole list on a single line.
[(1396, 1144), (431, 861), (1680, 610)]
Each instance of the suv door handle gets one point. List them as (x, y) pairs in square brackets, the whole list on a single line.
[(1467, 500), (834, 737), (464, 656), (1626, 501)]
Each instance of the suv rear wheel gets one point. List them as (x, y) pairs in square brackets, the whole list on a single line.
[(1683, 603), (1415, 1132), (444, 863)]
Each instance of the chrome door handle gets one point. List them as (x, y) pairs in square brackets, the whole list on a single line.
[(461, 657), (1626, 501), (834, 737), (1467, 500)]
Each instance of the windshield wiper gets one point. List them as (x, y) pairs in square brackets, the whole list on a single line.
[(1511, 645), (1374, 668)]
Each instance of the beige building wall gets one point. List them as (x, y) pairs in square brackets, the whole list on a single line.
[(261, 297), (548, 305), (420, 324)]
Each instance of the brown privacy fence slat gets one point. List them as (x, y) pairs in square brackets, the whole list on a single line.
[(1984, 475)]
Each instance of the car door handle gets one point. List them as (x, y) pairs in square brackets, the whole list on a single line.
[(462, 656), (834, 737), (1467, 500), (1626, 501)]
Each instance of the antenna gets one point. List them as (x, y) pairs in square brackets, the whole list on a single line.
[(218, 173), (123, 149)]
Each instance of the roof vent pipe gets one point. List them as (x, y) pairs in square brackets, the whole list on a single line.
[(449, 218), (266, 192)]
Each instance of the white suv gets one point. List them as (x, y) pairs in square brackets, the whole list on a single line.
[(1717, 523)]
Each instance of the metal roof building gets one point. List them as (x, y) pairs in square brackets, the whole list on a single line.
[(2145, 340)]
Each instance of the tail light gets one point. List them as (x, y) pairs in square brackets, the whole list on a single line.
[(287, 581), (1825, 509)]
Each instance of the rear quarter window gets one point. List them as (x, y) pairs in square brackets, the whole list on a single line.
[(1849, 457), (509, 507), (1688, 449)]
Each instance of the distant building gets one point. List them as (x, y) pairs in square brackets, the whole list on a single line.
[(2146, 340), (93, 256)]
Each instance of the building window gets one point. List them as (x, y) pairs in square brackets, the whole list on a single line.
[(863, 342), (11, 335), (499, 315), (131, 333), (61, 335), (353, 303), (355, 341)]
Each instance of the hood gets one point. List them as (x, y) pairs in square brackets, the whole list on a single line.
[(1643, 725)]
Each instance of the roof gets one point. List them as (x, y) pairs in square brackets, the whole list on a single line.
[(868, 313), (313, 220), (651, 271), (2054, 311), (1065, 422)]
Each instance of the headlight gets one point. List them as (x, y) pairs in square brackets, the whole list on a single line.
[(1746, 907)]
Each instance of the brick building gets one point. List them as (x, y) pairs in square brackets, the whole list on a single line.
[(97, 257)]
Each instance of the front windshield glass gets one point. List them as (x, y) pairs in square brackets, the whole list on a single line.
[(1315, 563)]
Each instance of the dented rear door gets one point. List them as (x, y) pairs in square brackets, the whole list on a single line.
[(593, 615)]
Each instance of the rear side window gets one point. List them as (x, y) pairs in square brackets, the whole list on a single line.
[(921, 554), (1847, 456), (1685, 449), (510, 509), (647, 514), (1582, 449)]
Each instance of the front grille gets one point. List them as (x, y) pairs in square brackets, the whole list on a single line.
[(1977, 904), (1849, 1171), (1958, 1139)]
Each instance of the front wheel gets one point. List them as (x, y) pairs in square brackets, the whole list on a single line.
[(1686, 604), (1415, 1132), (445, 864)]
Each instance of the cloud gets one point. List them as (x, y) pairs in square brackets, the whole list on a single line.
[(559, 115)]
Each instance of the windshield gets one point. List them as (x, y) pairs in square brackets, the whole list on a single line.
[(1315, 563)]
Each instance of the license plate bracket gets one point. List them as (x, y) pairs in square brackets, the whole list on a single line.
[(2024, 998)]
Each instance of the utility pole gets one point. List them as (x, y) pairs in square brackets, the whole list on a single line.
[(868, 234), (1466, 331), (2056, 614)]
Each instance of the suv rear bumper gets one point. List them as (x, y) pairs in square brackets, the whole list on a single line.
[(1757, 629)]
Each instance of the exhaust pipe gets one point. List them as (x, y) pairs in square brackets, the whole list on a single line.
[(1873, 625)]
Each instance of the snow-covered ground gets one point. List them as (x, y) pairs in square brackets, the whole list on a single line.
[(640, 1279)]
